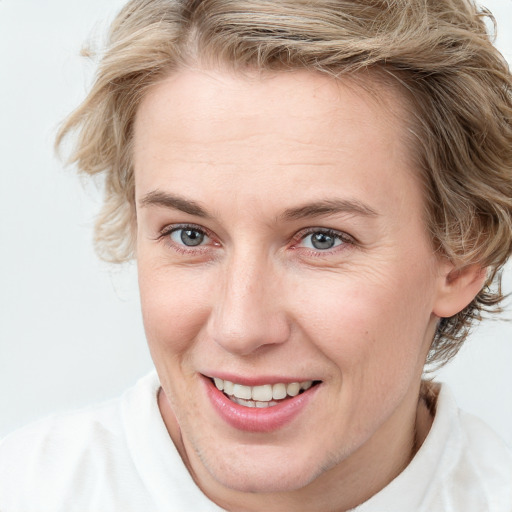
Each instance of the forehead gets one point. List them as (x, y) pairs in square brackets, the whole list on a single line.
[(229, 100), (292, 126)]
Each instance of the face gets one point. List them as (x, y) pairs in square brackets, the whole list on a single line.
[(283, 256)]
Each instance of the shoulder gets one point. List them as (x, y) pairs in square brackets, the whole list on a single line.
[(461, 466), (482, 446), (474, 470), (64, 458), (60, 436), (487, 458)]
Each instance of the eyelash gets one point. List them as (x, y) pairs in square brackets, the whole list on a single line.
[(165, 236), (343, 238)]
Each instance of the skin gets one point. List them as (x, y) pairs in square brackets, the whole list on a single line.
[(256, 298)]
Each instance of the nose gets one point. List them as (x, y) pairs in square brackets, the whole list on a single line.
[(248, 312)]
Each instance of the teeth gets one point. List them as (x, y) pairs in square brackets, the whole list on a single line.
[(262, 393), (228, 387), (247, 403), (293, 388), (252, 403), (279, 391), (260, 396), (244, 392), (219, 383), (262, 405)]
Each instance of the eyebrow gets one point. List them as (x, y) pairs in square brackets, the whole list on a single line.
[(158, 198), (308, 210), (329, 207)]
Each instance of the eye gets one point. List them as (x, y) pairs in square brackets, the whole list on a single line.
[(323, 239), (189, 236)]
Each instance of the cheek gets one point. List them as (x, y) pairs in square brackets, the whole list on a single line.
[(174, 309), (369, 322), (373, 334)]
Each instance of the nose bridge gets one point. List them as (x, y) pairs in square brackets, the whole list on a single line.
[(248, 313)]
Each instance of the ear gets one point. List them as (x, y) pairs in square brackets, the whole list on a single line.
[(457, 288)]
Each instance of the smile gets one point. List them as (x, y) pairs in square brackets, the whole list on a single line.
[(265, 407), (266, 395)]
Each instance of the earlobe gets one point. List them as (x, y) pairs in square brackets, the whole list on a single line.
[(457, 288)]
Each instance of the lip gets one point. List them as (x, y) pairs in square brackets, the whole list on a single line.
[(255, 381), (252, 419)]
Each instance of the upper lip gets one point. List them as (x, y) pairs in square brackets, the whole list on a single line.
[(256, 380)]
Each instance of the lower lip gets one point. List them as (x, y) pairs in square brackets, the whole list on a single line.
[(252, 419)]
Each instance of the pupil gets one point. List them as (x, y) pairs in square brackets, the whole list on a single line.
[(191, 237), (322, 241)]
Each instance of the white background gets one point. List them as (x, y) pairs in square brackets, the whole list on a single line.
[(70, 327)]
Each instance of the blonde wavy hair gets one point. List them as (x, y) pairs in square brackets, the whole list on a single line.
[(437, 52)]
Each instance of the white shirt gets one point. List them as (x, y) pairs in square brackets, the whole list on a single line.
[(118, 456)]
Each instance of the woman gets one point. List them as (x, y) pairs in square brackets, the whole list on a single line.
[(318, 197)]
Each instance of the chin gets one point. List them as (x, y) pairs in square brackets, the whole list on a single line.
[(264, 482), (269, 474)]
